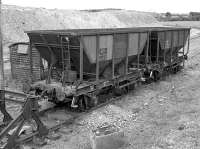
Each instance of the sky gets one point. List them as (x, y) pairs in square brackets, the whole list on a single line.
[(174, 6)]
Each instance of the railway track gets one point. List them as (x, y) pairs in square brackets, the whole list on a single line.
[(75, 115), (71, 120)]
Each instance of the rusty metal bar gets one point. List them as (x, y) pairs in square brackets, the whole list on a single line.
[(188, 42), (138, 54), (81, 58), (55, 45), (178, 38), (10, 126), (147, 50), (157, 57), (97, 58), (62, 53), (183, 47), (171, 49), (6, 115), (31, 59), (164, 53), (1, 54), (188, 46), (14, 93), (30, 112), (177, 54), (113, 57), (127, 50), (87, 73)]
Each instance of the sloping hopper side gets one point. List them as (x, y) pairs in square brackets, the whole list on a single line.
[(112, 46), (53, 55), (176, 39)]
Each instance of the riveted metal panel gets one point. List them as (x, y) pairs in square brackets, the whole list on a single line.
[(133, 43), (90, 47)]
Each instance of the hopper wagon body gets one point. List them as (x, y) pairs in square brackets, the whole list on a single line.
[(81, 64)]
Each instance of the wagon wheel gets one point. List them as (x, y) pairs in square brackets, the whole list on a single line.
[(176, 69), (179, 67), (156, 75), (84, 102), (117, 91), (132, 86), (80, 103), (87, 102), (166, 73), (125, 89)]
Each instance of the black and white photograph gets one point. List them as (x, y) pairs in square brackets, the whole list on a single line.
[(107, 74)]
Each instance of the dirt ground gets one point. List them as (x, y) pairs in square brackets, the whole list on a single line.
[(162, 115)]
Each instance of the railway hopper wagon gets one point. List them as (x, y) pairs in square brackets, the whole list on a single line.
[(82, 66), (166, 52)]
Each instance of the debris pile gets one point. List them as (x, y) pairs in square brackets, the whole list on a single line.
[(110, 114)]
